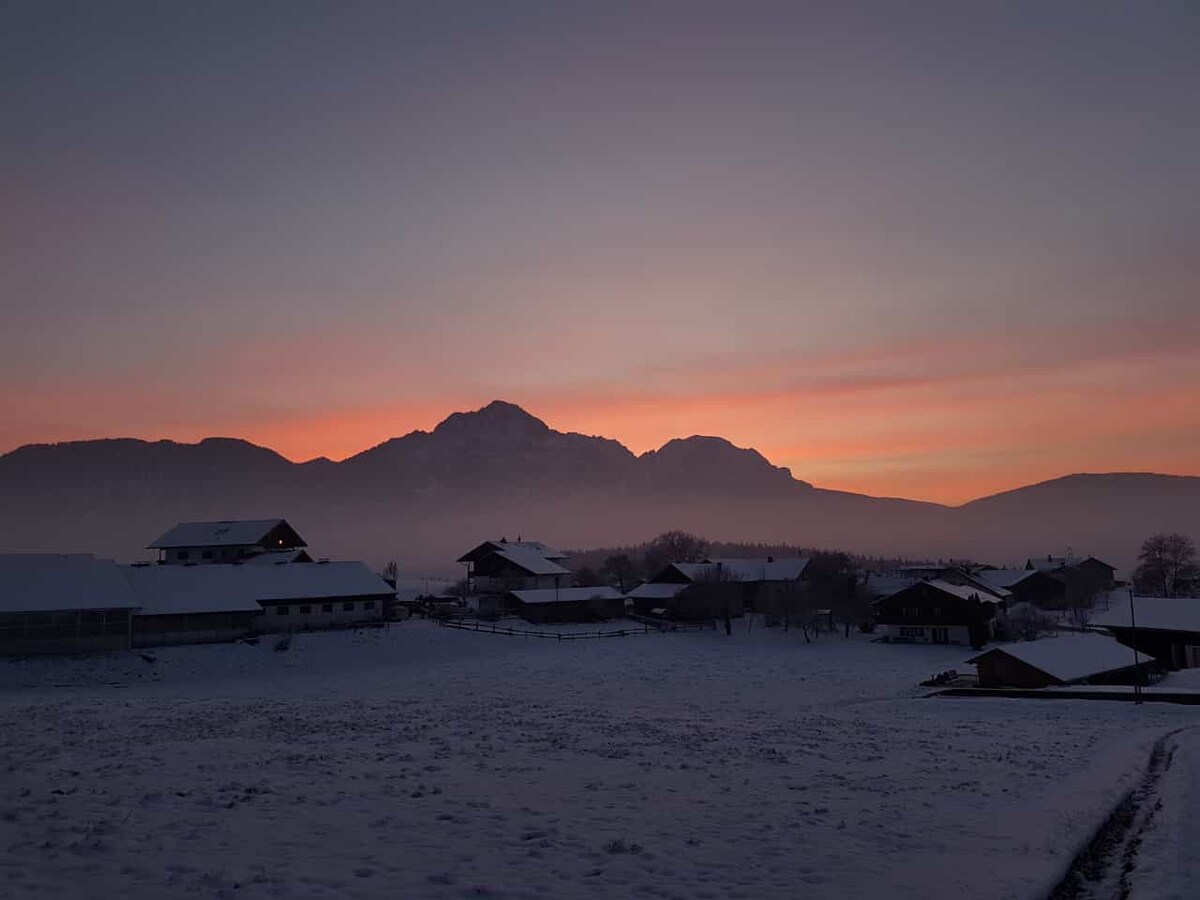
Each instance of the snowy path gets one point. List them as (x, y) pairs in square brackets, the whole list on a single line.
[(423, 762)]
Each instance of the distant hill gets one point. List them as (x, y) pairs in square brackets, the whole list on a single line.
[(424, 497)]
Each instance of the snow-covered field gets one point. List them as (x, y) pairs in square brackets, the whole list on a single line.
[(428, 762)]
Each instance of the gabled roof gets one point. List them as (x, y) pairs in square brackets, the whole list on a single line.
[(1156, 613), (224, 533), (531, 561), (1005, 578), (656, 590), (1059, 562), (567, 595), (1071, 657), (752, 570), (489, 547), (228, 587), (45, 582), (880, 585), (963, 591)]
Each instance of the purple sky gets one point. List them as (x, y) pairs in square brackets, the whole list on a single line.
[(923, 250)]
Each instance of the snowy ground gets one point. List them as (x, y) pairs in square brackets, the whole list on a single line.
[(428, 762)]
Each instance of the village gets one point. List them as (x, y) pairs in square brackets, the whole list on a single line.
[(1054, 622)]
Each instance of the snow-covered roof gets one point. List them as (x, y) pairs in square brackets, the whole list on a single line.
[(656, 591), (1004, 578), (567, 595), (531, 561), (1071, 657), (43, 582), (1165, 613), (751, 569), (225, 533), (221, 587), (965, 592), (883, 585), (175, 590), (488, 547)]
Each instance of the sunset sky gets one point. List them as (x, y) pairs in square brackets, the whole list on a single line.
[(929, 250)]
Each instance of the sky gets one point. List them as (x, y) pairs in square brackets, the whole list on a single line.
[(929, 250)]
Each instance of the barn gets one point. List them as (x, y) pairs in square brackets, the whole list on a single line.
[(578, 604), (63, 603), (1071, 659)]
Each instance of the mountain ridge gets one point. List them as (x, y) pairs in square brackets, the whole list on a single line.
[(501, 470)]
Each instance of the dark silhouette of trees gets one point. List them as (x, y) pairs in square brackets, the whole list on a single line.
[(586, 576), (619, 568), (1165, 563), (673, 547)]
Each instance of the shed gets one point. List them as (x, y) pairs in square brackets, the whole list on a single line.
[(1071, 659), (1167, 628), (578, 604)]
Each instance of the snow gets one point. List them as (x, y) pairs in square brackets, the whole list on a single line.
[(423, 762), (44, 582), (1167, 613), (531, 561), (754, 570), (1004, 578), (653, 590), (965, 592), (1072, 656)]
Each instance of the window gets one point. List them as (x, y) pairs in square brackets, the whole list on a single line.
[(207, 554), (912, 632), (347, 606), (183, 554), (937, 610), (326, 607), (368, 604), (305, 610), (911, 612), (281, 610)]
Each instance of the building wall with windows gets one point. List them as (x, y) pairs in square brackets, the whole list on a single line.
[(313, 614)]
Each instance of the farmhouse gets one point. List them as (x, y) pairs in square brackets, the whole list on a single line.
[(227, 541), (1042, 588), (497, 567), (1071, 659), (576, 604), (1167, 628), (1084, 576), (63, 603), (938, 612)]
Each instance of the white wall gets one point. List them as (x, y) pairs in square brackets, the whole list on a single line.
[(318, 616)]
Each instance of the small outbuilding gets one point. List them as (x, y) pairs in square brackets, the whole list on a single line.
[(1071, 659), (578, 604)]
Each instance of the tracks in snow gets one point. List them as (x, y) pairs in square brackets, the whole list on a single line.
[(1103, 868)]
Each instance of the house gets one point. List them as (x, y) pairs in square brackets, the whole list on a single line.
[(939, 612), (575, 604), (1042, 588), (63, 603), (658, 599), (192, 604), (1085, 576), (1071, 659), (1167, 628), (497, 567), (226, 541)]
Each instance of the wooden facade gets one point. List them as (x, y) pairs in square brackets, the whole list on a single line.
[(936, 613)]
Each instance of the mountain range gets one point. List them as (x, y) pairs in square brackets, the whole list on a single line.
[(423, 498)]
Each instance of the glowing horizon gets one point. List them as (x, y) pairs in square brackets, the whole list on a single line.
[(919, 253)]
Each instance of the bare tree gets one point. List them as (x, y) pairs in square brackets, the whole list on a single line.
[(390, 571), (673, 547), (1165, 562), (619, 568)]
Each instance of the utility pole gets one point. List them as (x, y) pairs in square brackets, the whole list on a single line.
[(1137, 660)]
